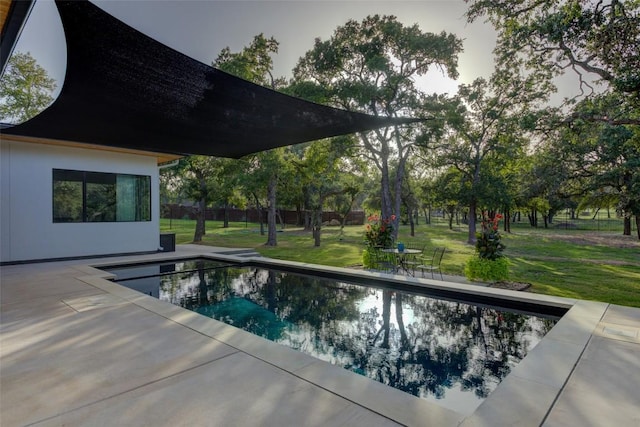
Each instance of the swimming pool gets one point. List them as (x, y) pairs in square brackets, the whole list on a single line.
[(444, 350)]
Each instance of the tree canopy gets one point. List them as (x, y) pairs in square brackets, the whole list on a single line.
[(593, 36), (25, 89), (370, 66)]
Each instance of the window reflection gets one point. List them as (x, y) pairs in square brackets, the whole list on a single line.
[(80, 196)]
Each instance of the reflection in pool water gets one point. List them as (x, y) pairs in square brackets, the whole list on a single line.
[(451, 352)]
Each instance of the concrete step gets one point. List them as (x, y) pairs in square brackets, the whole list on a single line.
[(242, 253)]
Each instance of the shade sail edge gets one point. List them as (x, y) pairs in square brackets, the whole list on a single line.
[(125, 89)]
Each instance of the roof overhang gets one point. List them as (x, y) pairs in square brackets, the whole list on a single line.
[(161, 158), (13, 15), (124, 89)]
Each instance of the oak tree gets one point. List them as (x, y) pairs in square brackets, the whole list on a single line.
[(25, 89)]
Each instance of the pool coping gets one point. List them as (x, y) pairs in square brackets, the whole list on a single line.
[(525, 397)]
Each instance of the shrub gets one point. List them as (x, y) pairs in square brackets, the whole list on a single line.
[(488, 264), (367, 261), (487, 269)]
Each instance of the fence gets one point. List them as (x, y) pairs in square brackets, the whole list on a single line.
[(289, 217), (562, 221)]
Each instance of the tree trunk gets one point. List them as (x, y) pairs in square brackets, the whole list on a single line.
[(507, 221), (299, 216), (342, 225), (627, 225), (271, 213), (638, 225), (226, 216), (473, 207), (317, 226), (201, 229), (200, 222), (308, 213), (308, 220), (280, 218), (402, 161), (259, 212), (451, 213), (385, 195), (412, 224)]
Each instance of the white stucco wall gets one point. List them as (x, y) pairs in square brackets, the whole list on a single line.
[(27, 230)]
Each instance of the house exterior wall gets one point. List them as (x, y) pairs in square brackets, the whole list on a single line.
[(27, 230)]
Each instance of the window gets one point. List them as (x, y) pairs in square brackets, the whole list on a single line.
[(80, 196)]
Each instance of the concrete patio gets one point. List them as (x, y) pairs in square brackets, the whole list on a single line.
[(77, 349)]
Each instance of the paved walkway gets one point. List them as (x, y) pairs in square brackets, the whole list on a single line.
[(79, 350)]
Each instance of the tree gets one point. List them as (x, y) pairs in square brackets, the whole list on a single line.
[(485, 123), (542, 185), (604, 159), (323, 171), (266, 169), (343, 203), (196, 171), (25, 89), (448, 191), (597, 38), (225, 183), (254, 63), (371, 66)]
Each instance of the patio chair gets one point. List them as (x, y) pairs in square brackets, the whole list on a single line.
[(383, 261), (436, 260), (413, 261)]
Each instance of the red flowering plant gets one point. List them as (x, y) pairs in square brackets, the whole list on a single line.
[(379, 231), (488, 244)]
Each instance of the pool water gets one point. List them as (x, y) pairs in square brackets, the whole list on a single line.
[(146, 275), (451, 352)]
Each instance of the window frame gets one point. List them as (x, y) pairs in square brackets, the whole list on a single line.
[(93, 178)]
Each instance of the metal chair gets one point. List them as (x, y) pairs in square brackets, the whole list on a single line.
[(383, 261), (436, 260), (413, 261)]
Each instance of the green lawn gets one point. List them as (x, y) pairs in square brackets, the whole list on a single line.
[(602, 266)]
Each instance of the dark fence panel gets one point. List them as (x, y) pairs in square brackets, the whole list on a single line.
[(173, 211)]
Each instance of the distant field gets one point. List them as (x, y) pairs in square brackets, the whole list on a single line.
[(571, 262)]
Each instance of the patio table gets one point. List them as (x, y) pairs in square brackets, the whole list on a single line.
[(401, 258)]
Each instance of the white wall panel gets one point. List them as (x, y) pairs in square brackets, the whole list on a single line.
[(31, 232)]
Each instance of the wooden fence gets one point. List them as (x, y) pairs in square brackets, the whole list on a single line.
[(289, 217)]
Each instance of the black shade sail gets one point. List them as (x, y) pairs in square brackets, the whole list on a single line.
[(124, 89)]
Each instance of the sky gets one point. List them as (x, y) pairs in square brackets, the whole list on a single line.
[(201, 29)]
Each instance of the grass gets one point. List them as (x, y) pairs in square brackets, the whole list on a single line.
[(601, 266)]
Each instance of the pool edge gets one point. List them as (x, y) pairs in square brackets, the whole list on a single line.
[(524, 397)]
